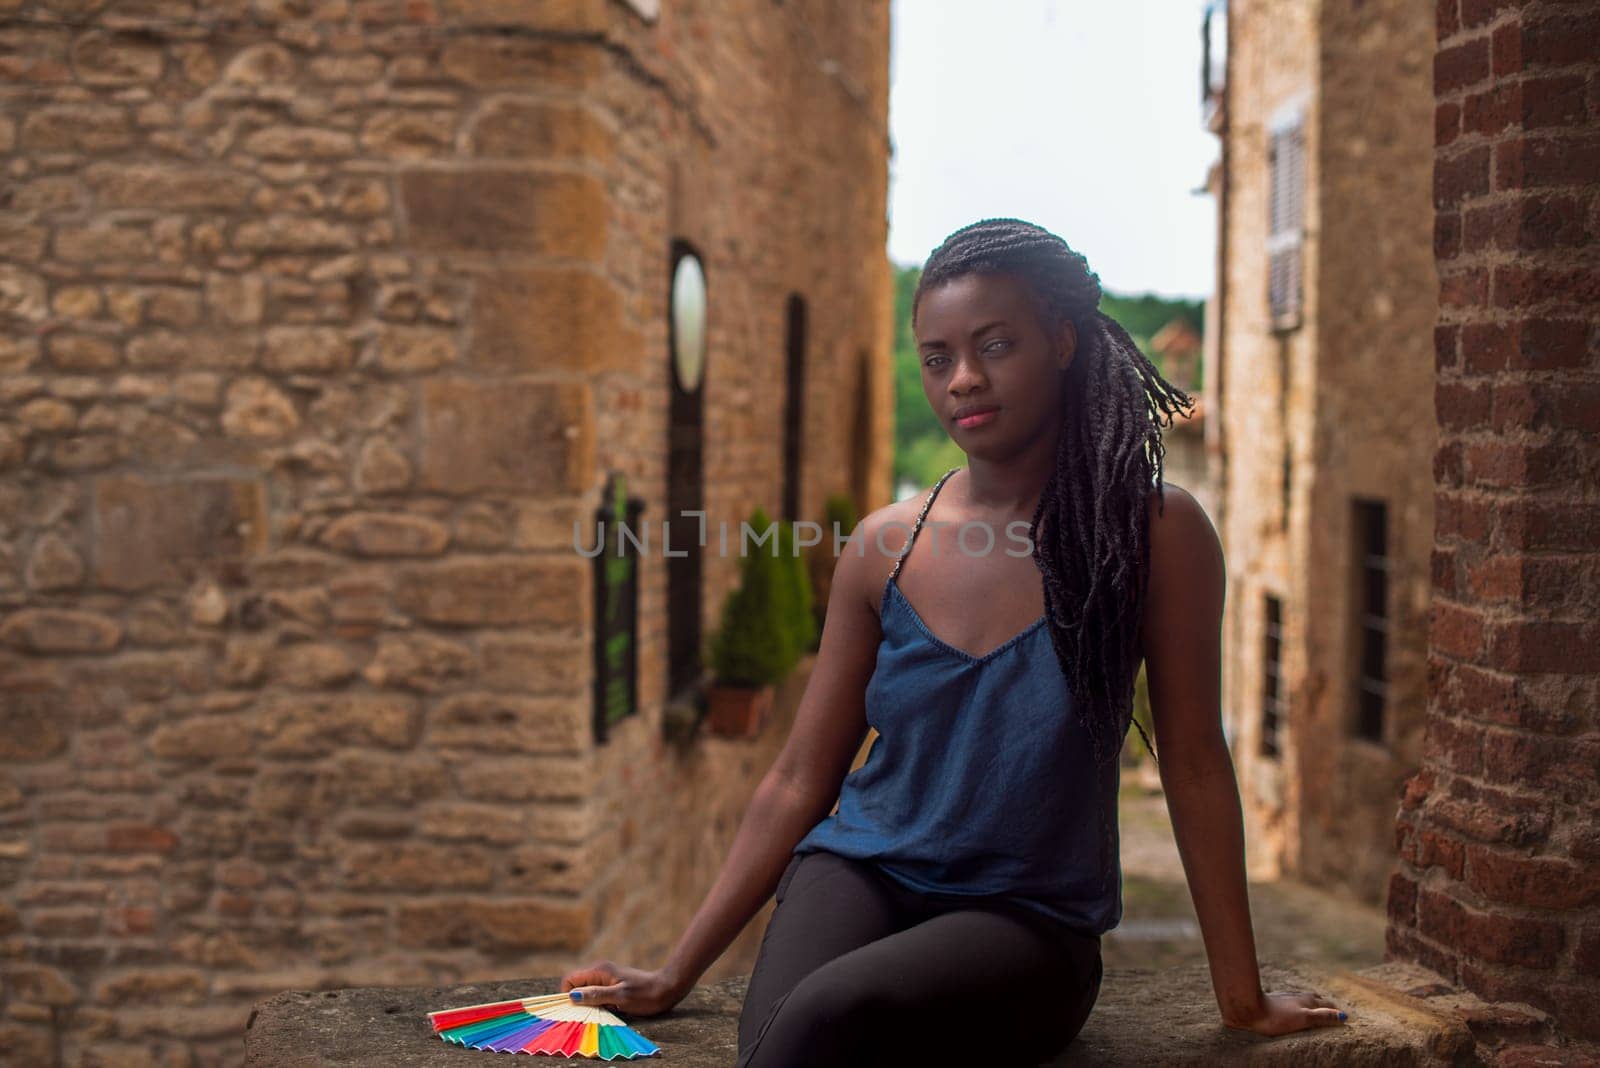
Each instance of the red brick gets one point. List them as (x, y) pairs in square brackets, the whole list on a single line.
[(1442, 565), (1506, 49), (1476, 13), (1461, 406), (1540, 1056), (1402, 900), (1564, 768), (1542, 404), (1453, 744), (1491, 816), (1488, 347), (1586, 954), (1555, 220), (1446, 234), (1468, 518), (1457, 631), (1447, 19), (1543, 645), (1446, 124), (1517, 464), (1562, 40), (1435, 850), (1564, 160), (1519, 284), (1487, 935), (1403, 944), (1447, 347), (1492, 226), (1460, 65), (1533, 882), (1560, 526), (1571, 1003), (1460, 176), (1550, 344), (1416, 788), (1447, 465), (1467, 288), (1508, 160), (1493, 109), (1553, 101)]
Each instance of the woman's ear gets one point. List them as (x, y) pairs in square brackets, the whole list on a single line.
[(1066, 344)]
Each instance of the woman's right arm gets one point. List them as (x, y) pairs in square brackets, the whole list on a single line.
[(791, 798)]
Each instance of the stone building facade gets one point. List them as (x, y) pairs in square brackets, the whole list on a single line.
[(1320, 426), (325, 322)]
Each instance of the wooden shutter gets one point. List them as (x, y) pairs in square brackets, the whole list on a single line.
[(1286, 181)]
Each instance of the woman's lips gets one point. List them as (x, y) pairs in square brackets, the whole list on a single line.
[(977, 419)]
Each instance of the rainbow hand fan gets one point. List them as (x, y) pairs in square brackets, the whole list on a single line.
[(552, 1023)]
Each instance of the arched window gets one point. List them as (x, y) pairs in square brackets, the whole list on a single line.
[(686, 332), (794, 410)]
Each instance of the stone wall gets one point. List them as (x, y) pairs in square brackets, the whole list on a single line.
[(1499, 885), (1267, 393), (324, 322), (1341, 402)]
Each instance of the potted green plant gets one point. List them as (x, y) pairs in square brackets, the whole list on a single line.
[(839, 514), (753, 646), (796, 595)]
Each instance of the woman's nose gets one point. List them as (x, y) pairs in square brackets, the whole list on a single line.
[(967, 375)]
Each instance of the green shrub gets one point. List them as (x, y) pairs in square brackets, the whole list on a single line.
[(754, 643), (796, 596)]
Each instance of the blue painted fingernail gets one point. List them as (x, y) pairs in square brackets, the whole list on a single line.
[(1342, 1016), (577, 995)]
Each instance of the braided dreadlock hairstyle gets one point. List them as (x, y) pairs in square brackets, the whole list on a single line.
[(1089, 531)]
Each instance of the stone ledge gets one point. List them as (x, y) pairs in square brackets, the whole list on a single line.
[(1141, 1018)]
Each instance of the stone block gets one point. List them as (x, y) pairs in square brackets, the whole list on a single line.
[(161, 533), (497, 592), (519, 435), (515, 128), (505, 209), (503, 723), (550, 319)]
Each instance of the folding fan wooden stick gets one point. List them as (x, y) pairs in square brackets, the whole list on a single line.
[(551, 1023)]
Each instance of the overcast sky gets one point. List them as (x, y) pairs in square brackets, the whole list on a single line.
[(1080, 115)]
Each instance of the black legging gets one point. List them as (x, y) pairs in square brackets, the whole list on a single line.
[(855, 969)]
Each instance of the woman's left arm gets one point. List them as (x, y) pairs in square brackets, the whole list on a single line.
[(1181, 639)]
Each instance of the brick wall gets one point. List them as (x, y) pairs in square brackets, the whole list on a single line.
[(323, 321), (1499, 888)]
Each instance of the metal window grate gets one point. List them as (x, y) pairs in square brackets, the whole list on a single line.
[(1272, 709), (1371, 616)]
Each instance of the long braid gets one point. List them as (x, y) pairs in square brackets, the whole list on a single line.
[(1089, 532)]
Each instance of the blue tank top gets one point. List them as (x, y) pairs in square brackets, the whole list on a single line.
[(981, 780)]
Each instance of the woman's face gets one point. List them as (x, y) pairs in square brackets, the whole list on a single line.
[(990, 369)]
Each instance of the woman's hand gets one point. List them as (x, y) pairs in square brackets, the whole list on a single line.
[(630, 990), (1279, 1014)]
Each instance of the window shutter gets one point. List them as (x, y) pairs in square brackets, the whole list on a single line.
[(1286, 221)]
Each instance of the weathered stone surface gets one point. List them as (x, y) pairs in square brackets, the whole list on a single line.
[(535, 437), (154, 533), (504, 209), (413, 349), (54, 564), (380, 534), (382, 468), (307, 726), (503, 723), (419, 662), (495, 592), (549, 319), (307, 350), (389, 1025), (83, 352), (168, 187), (541, 129), (58, 630), (255, 408)]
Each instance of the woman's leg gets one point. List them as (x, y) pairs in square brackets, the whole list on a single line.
[(827, 906), (968, 982)]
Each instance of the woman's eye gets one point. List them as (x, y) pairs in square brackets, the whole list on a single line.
[(933, 361), (997, 344)]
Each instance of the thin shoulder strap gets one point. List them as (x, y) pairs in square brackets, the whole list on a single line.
[(917, 526)]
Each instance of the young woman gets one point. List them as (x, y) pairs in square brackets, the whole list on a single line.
[(972, 864)]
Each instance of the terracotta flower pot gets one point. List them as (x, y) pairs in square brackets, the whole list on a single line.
[(738, 711)]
